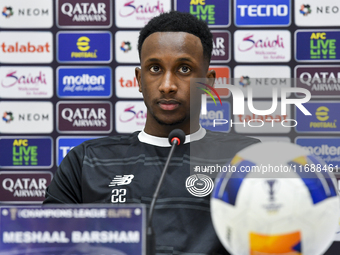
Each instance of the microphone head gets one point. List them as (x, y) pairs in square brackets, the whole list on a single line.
[(177, 134)]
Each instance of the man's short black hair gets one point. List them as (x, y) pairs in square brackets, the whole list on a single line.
[(175, 21)]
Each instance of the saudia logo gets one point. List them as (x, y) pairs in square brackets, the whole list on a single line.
[(322, 115), (130, 8), (13, 79), (248, 43), (203, 11), (321, 47), (23, 154), (84, 45), (130, 114)]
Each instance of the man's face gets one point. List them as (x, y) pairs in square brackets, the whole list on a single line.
[(168, 61)]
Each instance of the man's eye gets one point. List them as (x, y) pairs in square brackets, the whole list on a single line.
[(155, 69), (184, 69)]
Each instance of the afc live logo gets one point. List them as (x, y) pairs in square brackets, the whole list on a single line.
[(215, 13), (26, 152), (26, 47), (318, 46)]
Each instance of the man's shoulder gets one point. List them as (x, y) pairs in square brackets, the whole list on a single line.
[(112, 140)]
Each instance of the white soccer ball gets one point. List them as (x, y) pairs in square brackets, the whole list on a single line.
[(293, 209)]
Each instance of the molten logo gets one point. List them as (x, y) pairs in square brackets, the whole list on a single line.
[(204, 98)]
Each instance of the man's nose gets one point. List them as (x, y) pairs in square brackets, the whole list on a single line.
[(168, 84)]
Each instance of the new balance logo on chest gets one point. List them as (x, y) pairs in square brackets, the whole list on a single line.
[(118, 195)]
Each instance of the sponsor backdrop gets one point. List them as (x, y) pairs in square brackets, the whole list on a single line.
[(67, 75)]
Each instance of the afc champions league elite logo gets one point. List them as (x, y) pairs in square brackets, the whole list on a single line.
[(199, 185)]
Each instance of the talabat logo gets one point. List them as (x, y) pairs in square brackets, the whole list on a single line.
[(26, 82), (215, 12), (327, 148), (262, 79), (26, 117), (26, 14), (262, 46), (317, 46), (262, 13), (84, 117), (89, 47), (65, 144), (24, 187), (317, 13), (26, 47), (126, 83), (324, 118), (276, 121), (221, 47), (126, 47), (130, 116), (84, 14), (137, 13), (84, 82), (23, 152), (321, 81)]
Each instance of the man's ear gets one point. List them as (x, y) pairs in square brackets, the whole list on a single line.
[(211, 75), (138, 74)]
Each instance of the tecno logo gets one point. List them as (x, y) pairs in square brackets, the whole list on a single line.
[(263, 10), (26, 47)]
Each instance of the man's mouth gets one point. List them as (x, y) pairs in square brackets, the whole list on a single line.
[(168, 105)]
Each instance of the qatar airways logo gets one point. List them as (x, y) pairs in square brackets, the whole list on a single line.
[(137, 13), (262, 46)]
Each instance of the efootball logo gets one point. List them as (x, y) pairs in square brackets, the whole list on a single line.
[(7, 12)]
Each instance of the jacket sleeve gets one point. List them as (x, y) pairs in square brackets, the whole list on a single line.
[(65, 187)]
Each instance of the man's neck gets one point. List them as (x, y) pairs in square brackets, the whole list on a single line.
[(160, 130)]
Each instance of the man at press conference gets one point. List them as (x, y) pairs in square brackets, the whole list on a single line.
[(173, 48)]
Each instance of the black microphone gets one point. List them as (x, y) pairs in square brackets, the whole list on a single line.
[(176, 137)]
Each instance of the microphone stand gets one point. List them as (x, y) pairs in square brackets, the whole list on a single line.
[(150, 235)]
